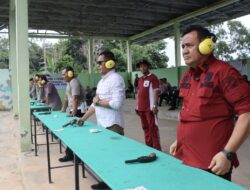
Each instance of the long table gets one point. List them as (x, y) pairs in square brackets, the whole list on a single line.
[(106, 151), (36, 106)]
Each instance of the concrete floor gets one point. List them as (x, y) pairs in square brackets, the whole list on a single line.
[(24, 171)]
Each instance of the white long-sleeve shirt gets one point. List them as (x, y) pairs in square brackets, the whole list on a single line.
[(111, 87)]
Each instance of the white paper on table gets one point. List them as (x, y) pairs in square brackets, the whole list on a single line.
[(137, 188), (59, 130), (94, 130)]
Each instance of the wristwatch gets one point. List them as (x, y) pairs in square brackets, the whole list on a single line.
[(229, 155)]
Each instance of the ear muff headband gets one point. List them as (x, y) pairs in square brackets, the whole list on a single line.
[(110, 64), (70, 74), (207, 45)]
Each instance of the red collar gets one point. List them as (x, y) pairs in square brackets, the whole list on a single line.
[(202, 67)]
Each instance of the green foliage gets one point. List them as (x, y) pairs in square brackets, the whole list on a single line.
[(35, 57), (4, 53), (76, 49), (154, 53), (233, 40), (240, 38), (51, 64), (65, 61)]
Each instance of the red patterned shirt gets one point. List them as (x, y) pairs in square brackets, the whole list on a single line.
[(146, 88), (212, 95)]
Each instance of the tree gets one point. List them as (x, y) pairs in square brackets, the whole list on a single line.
[(35, 57), (241, 38), (233, 40), (4, 53), (154, 53), (76, 49), (66, 60)]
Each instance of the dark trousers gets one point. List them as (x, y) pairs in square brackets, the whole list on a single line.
[(162, 97), (68, 151)]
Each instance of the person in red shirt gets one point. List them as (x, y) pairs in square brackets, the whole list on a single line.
[(147, 98), (213, 94)]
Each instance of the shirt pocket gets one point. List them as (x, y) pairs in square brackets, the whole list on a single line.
[(202, 106), (205, 95)]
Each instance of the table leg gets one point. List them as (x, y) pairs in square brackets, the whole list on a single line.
[(83, 170), (31, 133), (48, 154), (35, 136), (76, 160)]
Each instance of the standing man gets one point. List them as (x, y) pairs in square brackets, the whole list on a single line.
[(73, 102), (32, 89), (136, 83), (147, 101), (213, 94), (109, 100), (39, 89), (52, 97)]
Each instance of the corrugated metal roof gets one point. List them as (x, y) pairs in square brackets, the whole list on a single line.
[(125, 18)]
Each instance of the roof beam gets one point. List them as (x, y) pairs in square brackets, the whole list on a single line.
[(70, 16), (86, 27), (137, 6), (184, 17), (194, 3), (77, 36)]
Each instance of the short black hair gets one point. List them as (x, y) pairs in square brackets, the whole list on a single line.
[(108, 55), (143, 62), (245, 77), (69, 68), (201, 31), (43, 77)]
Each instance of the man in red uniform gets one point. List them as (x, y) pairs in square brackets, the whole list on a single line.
[(213, 94), (147, 98)]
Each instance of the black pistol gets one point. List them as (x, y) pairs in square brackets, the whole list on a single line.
[(72, 122), (143, 159)]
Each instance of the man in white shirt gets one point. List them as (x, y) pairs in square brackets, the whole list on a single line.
[(109, 100)]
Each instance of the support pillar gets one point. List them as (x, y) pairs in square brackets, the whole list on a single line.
[(22, 64), (90, 54), (177, 40)]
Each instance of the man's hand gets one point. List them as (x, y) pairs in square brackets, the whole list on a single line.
[(220, 165), (80, 121), (172, 149), (96, 99), (137, 112), (155, 110), (70, 115)]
